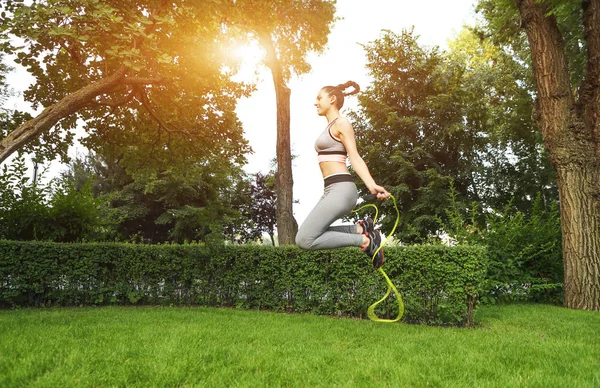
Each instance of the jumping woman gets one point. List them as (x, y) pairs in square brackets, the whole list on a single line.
[(334, 145)]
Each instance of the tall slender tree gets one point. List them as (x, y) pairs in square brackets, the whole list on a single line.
[(288, 30)]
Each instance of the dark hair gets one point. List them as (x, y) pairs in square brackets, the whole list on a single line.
[(338, 92)]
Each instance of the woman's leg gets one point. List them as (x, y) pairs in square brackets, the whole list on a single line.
[(317, 233), (353, 229)]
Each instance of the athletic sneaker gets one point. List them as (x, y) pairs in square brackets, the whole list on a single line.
[(368, 226), (374, 243)]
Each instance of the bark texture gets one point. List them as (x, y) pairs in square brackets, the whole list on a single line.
[(571, 135), (287, 227)]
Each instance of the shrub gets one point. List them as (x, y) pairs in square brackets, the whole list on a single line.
[(439, 284), (525, 249), (60, 210)]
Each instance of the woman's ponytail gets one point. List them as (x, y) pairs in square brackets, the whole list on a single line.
[(347, 85), (340, 91)]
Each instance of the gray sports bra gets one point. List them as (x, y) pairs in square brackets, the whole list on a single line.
[(326, 144)]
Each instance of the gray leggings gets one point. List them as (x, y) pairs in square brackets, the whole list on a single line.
[(316, 231)]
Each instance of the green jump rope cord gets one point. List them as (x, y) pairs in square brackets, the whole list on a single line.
[(371, 310)]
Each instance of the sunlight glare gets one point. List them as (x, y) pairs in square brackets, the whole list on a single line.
[(250, 57)]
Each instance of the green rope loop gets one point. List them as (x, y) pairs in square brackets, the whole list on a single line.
[(371, 310)]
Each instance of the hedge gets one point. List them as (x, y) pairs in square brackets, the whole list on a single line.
[(439, 284)]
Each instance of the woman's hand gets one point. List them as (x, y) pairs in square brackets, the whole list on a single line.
[(380, 191)]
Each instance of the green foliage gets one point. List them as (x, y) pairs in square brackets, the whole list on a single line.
[(439, 284), (256, 203), (295, 28), (172, 50), (449, 281), (404, 131), (525, 250), (525, 254), (501, 24), (462, 117), (96, 200), (177, 203), (75, 214), (461, 224), (24, 214), (495, 92), (60, 210)]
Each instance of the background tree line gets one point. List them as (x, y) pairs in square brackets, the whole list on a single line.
[(464, 138)]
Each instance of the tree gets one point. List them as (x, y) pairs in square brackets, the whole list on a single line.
[(462, 115), (24, 212), (101, 59), (75, 213), (148, 81), (255, 200), (567, 115), (64, 210), (184, 200), (409, 132), (494, 91), (288, 30), (263, 212)]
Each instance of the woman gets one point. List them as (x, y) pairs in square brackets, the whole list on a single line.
[(333, 146)]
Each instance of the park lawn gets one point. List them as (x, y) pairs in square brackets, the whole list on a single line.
[(515, 345)]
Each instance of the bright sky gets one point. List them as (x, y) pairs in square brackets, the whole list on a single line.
[(434, 21)]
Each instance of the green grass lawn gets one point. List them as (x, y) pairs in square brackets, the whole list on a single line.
[(518, 345)]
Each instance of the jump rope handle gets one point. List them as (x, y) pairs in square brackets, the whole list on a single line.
[(370, 197)]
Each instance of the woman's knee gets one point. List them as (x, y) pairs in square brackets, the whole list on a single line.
[(303, 240)]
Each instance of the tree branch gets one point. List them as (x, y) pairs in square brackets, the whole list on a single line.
[(143, 81), (146, 103), (113, 104), (272, 61), (50, 116), (72, 53)]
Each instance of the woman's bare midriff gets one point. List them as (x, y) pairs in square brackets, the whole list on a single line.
[(329, 168)]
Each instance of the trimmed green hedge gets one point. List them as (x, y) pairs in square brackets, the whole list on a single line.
[(439, 284)]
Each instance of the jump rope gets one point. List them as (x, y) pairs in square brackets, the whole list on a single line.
[(371, 310)]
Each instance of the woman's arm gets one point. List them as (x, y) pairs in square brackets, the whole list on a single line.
[(344, 131)]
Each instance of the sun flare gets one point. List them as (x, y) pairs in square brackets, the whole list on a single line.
[(249, 57), (251, 53)]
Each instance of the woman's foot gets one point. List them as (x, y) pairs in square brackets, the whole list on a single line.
[(372, 247), (368, 226)]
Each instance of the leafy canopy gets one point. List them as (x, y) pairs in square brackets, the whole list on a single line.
[(169, 50)]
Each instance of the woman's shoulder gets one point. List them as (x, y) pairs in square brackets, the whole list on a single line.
[(343, 120), (343, 124)]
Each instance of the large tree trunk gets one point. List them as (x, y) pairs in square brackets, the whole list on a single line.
[(581, 249), (287, 226), (50, 116), (570, 130)]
